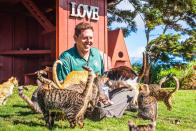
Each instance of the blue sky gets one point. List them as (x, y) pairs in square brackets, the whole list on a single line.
[(136, 42)]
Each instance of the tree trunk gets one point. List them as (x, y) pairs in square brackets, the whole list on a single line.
[(147, 70)]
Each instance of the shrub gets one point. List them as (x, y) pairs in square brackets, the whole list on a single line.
[(186, 75)]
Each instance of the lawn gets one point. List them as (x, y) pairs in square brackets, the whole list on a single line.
[(16, 115)]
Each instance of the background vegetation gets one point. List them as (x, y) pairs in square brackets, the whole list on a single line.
[(184, 72)]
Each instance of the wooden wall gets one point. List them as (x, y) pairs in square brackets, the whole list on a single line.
[(19, 35)]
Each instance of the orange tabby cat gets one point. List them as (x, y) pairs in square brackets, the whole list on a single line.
[(6, 89), (74, 77)]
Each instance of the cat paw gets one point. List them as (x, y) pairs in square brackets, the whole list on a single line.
[(81, 125)]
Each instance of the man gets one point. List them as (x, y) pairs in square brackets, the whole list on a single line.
[(83, 54)]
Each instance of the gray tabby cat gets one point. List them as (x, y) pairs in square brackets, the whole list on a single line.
[(147, 105), (162, 94), (70, 102)]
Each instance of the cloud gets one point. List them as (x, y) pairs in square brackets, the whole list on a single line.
[(137, 53), (139, 22), (125, 5)]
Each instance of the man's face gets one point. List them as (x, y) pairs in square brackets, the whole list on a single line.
[(85, 40)]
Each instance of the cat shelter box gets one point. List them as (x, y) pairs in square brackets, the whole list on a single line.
[(33, 33)]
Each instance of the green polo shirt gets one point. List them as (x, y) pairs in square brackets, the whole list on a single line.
[(72, 61)]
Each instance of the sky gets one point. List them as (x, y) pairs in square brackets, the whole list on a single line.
[(136, 42)]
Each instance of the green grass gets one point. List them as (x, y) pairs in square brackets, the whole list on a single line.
[(16, 115)]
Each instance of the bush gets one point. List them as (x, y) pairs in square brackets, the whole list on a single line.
[(186, 75)]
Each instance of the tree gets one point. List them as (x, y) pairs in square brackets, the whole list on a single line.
[(179, 16), (125, 17), (169, 15)]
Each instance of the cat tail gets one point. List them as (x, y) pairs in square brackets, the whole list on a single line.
[(87, 94), (54, 73), (27, 99), (90, 80), (164, 79), (144, 67), (177, 85)]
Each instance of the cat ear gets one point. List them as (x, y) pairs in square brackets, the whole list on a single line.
[(144, 88), (109, 82), (11, 79)]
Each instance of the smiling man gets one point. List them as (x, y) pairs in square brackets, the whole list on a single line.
[(82, 54)]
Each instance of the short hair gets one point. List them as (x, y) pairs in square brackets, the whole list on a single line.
[(82, 26)]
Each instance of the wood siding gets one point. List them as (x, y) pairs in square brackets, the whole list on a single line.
[(19, 35)]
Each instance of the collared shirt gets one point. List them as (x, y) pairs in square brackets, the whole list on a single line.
[(72, 61)]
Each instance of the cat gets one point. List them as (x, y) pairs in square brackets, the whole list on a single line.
[(133, 127), (96, 98), (6, 89), (121, 72), (72, 103), (147, 104), (162, 94), (125, 73)]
